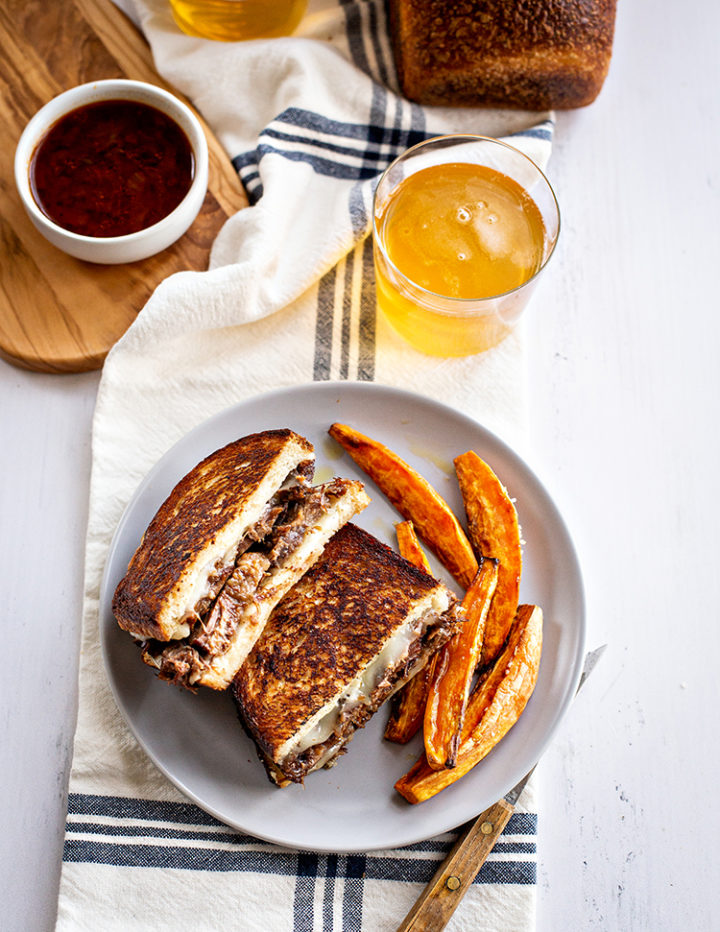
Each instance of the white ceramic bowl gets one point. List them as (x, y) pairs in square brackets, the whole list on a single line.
[(114, 250)]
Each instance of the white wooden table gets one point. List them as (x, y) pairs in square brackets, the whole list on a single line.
[(624, 337)]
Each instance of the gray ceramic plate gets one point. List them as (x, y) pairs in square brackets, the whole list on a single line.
[(196, 739)]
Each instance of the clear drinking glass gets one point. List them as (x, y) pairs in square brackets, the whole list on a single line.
[(233, 20), (462, 228)]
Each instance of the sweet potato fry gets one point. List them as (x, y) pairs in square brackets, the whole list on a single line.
[(456, 663), (486, 687), (409, 546), (519, 676), (495, 532), (408, 707), (415, 499), (408, 704)]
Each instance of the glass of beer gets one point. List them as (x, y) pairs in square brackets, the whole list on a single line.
[(235, 20), (462, 228)]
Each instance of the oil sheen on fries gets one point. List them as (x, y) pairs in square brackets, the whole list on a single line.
[(454, 669), (518, 676), (408, 705), (415, 499), (495, 532)]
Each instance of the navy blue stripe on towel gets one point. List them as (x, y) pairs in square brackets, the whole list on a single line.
[(325, 145), (368, 40), (307, 871), (105, 830)]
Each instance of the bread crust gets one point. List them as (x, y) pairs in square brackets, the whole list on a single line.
[(526, 54), (198, 525), (325, 631), (243, 611)]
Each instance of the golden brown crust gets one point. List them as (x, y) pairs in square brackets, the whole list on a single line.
[(357, 594), (531, 55), (219, 642), (205, 502)]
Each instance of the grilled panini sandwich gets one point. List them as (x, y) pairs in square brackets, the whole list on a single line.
[(356, 627), (230, 540)]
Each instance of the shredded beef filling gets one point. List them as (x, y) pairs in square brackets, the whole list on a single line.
[(268, 544), (215, 631)]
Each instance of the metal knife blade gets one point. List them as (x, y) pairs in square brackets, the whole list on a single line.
[(591, 659)]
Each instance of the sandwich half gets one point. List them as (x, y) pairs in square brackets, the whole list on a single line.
[(357, 626), (229, 541)]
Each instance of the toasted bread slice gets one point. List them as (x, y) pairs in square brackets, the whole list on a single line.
[(356, 627), (190, 546), (220, 641)]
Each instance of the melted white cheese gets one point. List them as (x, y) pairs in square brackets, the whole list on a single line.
[(360, 689)]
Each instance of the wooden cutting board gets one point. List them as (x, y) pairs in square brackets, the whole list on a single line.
[(58, 314)]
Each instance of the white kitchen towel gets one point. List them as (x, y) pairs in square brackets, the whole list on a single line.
[(309, 122)]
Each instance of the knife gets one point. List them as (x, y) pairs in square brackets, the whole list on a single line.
[(443, 894)]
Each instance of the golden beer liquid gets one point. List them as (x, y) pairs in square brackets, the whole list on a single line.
[(232, 20), (459, 233)]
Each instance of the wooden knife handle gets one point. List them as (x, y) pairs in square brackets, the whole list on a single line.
[(441, 897)]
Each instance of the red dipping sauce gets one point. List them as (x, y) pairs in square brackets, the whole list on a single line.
[(111, 168)]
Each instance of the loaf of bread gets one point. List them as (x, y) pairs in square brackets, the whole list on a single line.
[(529, 54)]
